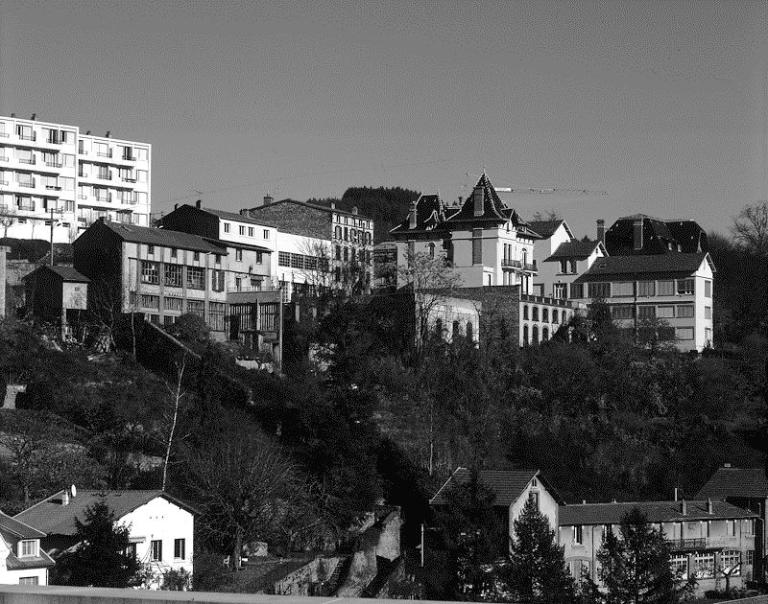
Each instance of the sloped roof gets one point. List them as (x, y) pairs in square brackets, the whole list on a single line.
[(545, 228), (163, 237), (507, 485), (736, 482), (494, 209), (574, 249), (312, 206), (236, 217), (677, 264), (657, 235), (51, 516), (18, 528), (42, 560), (67, 273), (655, 511), (430, 214)]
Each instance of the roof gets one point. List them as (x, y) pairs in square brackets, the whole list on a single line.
[(545, 228), (18, 528), (574, 249), (736, 482), (312, 206), (67, 273), (659, 236), (55, 518), (677, 264), (430, 214), (655, 511), (236, 217), (163, 237), (507, 485), (42, 560)]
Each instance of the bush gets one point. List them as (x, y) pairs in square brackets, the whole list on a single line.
[(190, 329), (176, 580)]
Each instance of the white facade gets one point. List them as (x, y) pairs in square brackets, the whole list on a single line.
[(26, 576), (163, 534), (47, 167), (301, 262)]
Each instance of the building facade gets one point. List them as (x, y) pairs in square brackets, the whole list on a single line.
[(22, 559), (708, 538), (51, 171)]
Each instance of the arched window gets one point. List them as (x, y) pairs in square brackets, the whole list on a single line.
[(489, 280), (535, 335), (431, 250), (525, 335), (545, 334), (469, 331), (525, 257), (535, 313), (545, 315), (456, 331), (525, 311), (554, 316)]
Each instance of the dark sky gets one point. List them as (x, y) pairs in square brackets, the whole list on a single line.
[(664, 105)]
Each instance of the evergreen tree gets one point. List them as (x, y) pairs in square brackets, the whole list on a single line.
[(634, 565), (536, 571), (101, 558)]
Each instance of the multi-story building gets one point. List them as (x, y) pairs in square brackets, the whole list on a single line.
[(561, 257), (708, 539), (52, 171), (664, 296), (343, 240), (22, 560)]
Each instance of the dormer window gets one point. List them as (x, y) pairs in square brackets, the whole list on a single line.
[(29, 548)]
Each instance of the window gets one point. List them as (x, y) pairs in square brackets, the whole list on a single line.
[(173, 275), (105, 173), (599, 290), (174, 252), (28, 581), (646, 288), (678, 564), (171, 303), (150, 250), (560, 291), (25, 133), (555, 316), (578, 534), (534, 497), (666, 288), (623, 311), (573, 266), (216, 311), (707, 312), (665, 312), (250, 231), (707, 289), (259, 257), (337, 232), (196, 257), (704, 565), (156, 550), (646, 312), (730, 528), (477, 246), (141, 175), (685, 286), (624, 288), (563, 266), (195, 277), (238, 284), (227, 226), (577, 290), (684, 333), (750, 526), (179, 549), (284, 259), (685, 311), (266, 234), (28, 548), (470, 330), (217, 258), (525, 335), (750, 557), (241, 230), (141, 154), (535, 335), (149, 272), (535, 313), (196, 307), (147, 301), (127, 153), (102, 149)]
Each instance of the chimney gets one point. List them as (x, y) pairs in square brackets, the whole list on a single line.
[(175, 206), (65, 497), (199, 203), (108, 134), (684, 508), (637, 233), (87, 131), (477, 197), (709, 505), (333, 205), (412, 216), (268, 199), (601, 230), (13, 115), (34, 117), (354, 210), (676, 493), (727, 465)]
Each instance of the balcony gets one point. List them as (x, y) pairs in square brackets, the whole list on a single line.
[(104, 153), (54, 164), (30, 184), (509, 263), (28, 137), (704, 543), (52, 188), (28, 160)]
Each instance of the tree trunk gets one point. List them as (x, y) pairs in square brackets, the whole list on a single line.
[(177, 398), (238, 548)]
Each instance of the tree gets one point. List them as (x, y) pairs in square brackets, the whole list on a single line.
[(548, 215), (172, 417), (536, 571), (750, 228), (190, 329), (100, 559), (241, 480), (634, 565)]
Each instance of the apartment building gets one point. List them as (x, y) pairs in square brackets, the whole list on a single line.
[(707, 538), (340, 240), (51, 171)]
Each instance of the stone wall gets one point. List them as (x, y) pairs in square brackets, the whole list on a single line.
[(296, 218)]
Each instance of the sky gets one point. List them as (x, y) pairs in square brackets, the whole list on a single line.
[(652, 107)]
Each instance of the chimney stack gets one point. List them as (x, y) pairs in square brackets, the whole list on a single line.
[(676, 493), (709, 505), (354, 210), (268, 199), (199, 203), (477, 197), (727, 465), (412, 217), (637, 233), (601, 230), (684, 508), (333, 205), (34, 117), (13, 115), (65, 497), (108, 134), (175, 206)]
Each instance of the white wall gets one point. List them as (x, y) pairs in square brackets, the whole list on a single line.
[(548, 506)]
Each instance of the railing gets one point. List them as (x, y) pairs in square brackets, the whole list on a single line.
[(511, 263), (28, 185), (103, 154), (687, 544), (52, 188), (31, 161), (28, 137), (530, 267)]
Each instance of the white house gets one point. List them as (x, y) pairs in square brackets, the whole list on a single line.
[(161, 526), (22, 560)]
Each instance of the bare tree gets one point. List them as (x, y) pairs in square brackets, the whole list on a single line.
[(173, 416), (750, 228), (7, 218), (547, 215)]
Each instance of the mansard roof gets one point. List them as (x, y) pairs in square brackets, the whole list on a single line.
[(430, 214), (659, 236), (659, 265)]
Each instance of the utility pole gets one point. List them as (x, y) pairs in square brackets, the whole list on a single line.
[(51, 210), (280, 328)]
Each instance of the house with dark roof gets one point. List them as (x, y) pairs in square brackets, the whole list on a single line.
[(640, 234), (748, 489), (161, 526), (22, 560), (511, 490), (708, 538), (655, 297), (56, 294)]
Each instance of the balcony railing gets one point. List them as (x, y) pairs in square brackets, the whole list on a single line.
[(28, 137), (30, 184), (511, 263), (104, 153), (27, 160), (54, 164)]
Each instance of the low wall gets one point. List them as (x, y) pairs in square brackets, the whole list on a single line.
[(28, 594)]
